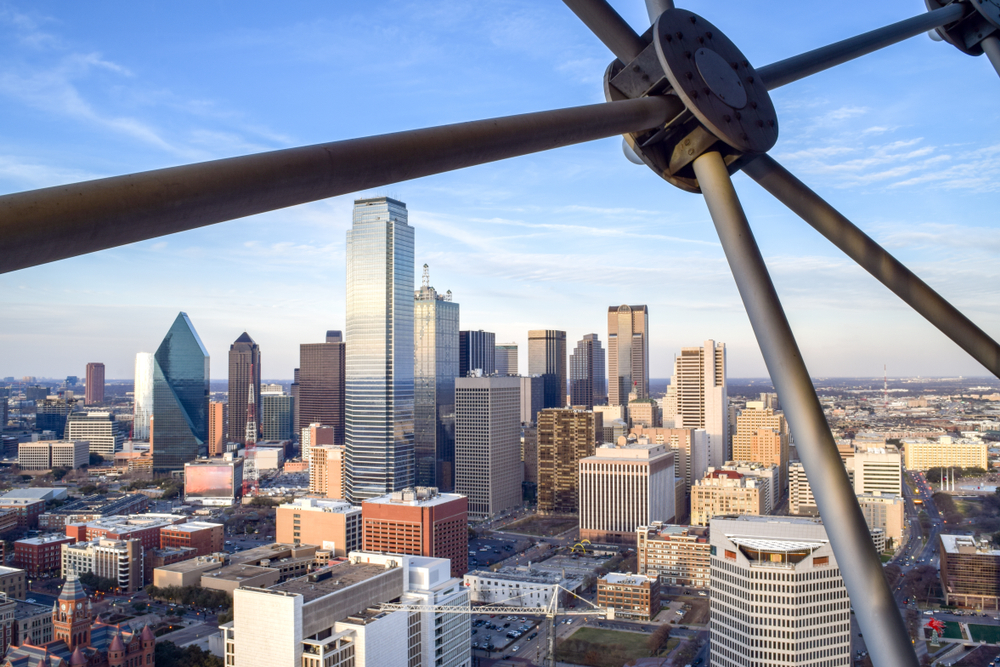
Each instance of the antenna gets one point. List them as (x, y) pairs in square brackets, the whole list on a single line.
[(427, 277)]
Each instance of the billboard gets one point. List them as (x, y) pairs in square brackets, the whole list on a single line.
[(212, 481)]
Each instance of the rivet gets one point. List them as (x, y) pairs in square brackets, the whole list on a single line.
[(771, 122), (690, 151), (687, 142), (746, 63), (709, 34), (733, 65), (668, 37), (689, 75), (693, 95), (635, 68), (701, 40), (749, 79), (706, 91), (739, 115), (760, 123), (727, 118), (687, 54), (744, 136), (694, 19), (753, 105), (679, 34)]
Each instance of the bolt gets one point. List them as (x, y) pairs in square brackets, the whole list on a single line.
[(749, 79), (701, 40), (753, 105), (689, 75), (679, 34), (668, 37), (746, 63), (771, 122), (733, 65), (694, 19), (709, 34), (760, 123), (738, 115), (635, 68), (727, 118), (687, 142), (693, 94), (690, 151), (706, 90), (687, 54), (744, 136)]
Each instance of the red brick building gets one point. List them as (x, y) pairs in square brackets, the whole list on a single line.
[(27, 511), (40, 555), (205, 538), (143, 527), (418, 522)]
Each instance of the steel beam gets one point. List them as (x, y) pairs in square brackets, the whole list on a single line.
[(610, 28), (656, 7), (991, 47), (46, 225), (860, 247), (860, 566), (798, 67)]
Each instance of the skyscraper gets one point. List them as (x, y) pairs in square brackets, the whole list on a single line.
[(547, 357), (276, 411), (320, 392), (628, 353), (762, 436), (564, 437), (95, 384), (477, 350), (506, 359), (180, 397), (217, 427), (142, 396), (244, 371), (702, 398), (587, 383), (379, 379), (435, 367)]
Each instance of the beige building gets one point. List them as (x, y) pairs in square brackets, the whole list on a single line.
[(333, 525), (315, 435), (628, 353), (565, 436), (945, 452), (878, 469), (762, 436), (690, 447), (186, 572), (800, 495), (12, 582), (644, 412), (698, 397), (723, 492), (48, 454), (678, 555), (326, 470), (217, 412), (884, 511), (121, 560), (624, 487)]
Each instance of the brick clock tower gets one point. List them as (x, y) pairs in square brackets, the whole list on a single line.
[(71, 615)]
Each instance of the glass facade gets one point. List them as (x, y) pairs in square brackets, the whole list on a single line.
[(379, 377), (244, 371), (587, 384), (628, 353), (547, 358), (180, 397), (276, 411), (143, 396), (436, 365), (477, 351)]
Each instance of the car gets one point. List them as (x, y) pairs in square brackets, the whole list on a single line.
[(30, 600), (516, 647), (532, 636)]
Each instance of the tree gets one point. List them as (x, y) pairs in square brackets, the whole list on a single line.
[(60, 472), (96, 459), (169, 653), (658, 638), (98, 583)]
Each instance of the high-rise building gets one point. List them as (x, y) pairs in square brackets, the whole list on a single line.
[(100, 429), (379, 384), (587, 384), (276, 411), (142, 396), (326, 471), (50, 415), (330, 524), (321, 377), (180, 397), (314, 435), (95, 384), (800, 495), (488, 467), (807, 621), (532, 397), (878, 469), (564, 437), (506, 359), (435, 367), (726, 492), (217, 427), (690, 449), (970, 571), (476, 352), (628, 353), (244, 372), (702, 399), (293, 391), (547, 358), (762, 436), (644, 412)]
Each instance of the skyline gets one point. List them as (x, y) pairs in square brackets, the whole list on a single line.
[(541, 242)]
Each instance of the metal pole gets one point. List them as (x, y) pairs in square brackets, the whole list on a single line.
[(857, 560), (798, 67), (65, 221), (860, 247), (991, 47), (610, 28), (656, 7)]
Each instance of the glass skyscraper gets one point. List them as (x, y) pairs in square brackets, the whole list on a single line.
[(142, 396), (436, 365), (180, 397), (547, 357), (244, 371), (587, 384), (628, 353), (379, 379)]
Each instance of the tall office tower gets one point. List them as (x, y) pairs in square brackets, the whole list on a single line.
[(435, 367), (564, 437), (142, 396), (762, 436), (217, 427), (379, 415), (506, 359), (587, 384), (532, 397), (488, 468), (477, 351), (321, 376), (293, 390), (275, 415), (95, 384), (628, 353), (702, 396), (244, 372), (99, 429), (790, 556), (547, 357), (180, 397), (326, 471), (878, 469)]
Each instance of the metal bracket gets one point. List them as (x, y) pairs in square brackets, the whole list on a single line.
[(981, 19)]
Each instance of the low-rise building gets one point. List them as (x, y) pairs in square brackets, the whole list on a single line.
[(46, 493), (202, 537), (48, 454), (40, 555), (13, 582), (970, 572), (631, 595), (32, 623), (519, 587), (92, 508), (215, 481), (944, 452), (99, 430), (27, 510), (239, 575), (331, 524), (186, 572), (678, 555), (120, 560)]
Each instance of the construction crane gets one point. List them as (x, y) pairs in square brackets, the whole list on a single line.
[(550, 612)]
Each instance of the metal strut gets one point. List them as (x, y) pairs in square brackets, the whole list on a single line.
[(860, 566)]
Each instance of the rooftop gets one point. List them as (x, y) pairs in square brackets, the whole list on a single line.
[(121, 522), (967, 544), (238, 572), (321, 505), (45, 539), (627, 579), (193, 526), (193, 564), (532, 576), (331, 579), (96, 504), (36, 493), (421, 496)]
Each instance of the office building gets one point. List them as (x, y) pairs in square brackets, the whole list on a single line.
[(145, 528), (800, 495), (644, 412), (379, 417), (701, 396), (726, 492), (628, 353), (99, 429), (767, 477), (547, 358), (532, 397), (50, 415), (418, 522), (142, 396), (94, 392), (488, 465), (762, 436), (945, 452), (326, 471), (48, 454), (244, 373), (970, 572), (40, 555), (276, 413), (690, 448), (320, 394), (565, 436), (435, 367), (316, 435), (476, 353), (180, 397), (886, 512), (506, 359), (218, 413), (878, 469), (624, 487), (32, 623), (807, 623), (333, 525), (201, 537), (588, 385), (215, 481), (632, 596), (677, 555), (120, 560), (520, 588), (12, 582)]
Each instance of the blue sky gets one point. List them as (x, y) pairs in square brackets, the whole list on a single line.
[(905, 142)]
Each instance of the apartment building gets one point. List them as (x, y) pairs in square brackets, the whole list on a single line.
[(326, 471), (633, 596), (677, 555), (726, 492), (120, 560)]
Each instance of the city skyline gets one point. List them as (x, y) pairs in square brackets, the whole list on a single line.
[(509, 239)]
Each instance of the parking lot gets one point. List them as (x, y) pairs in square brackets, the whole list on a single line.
[(503, 634), (484, 551)]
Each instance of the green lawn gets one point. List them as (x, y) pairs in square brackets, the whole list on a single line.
[(952, 630), (985, 633), (603, 648)]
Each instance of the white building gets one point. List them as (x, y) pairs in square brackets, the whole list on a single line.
[(142, 396), (121, 560), (700, 397), (878, 469), (48, 454), (777, 594), (800, 495), (519, 587), (99, 429)]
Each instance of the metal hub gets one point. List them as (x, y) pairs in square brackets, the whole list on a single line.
[(720, 78), (981, 19)]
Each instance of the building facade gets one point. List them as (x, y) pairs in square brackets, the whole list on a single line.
[(142, 396), (633, 596), (332, 525), (678, 555), (217, 419), (40, 555), (277, 412), (326, 471), (506, 359), (565, 437), (761, 436), (628, 353), (244, 374), (970, 572), (726, 492), (878, 469), (99, 429), (701, 396), (800, 495), (588, 385), (945, 452), (476, 353), (45, 455), (547, 359), (532, 397), (94, 391), (321, 390), (119, 560)]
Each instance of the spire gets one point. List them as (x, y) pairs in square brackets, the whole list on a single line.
[(77, 658), (116, 644), (147, 634), (245, 338), (73, 590), (427, 277)]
